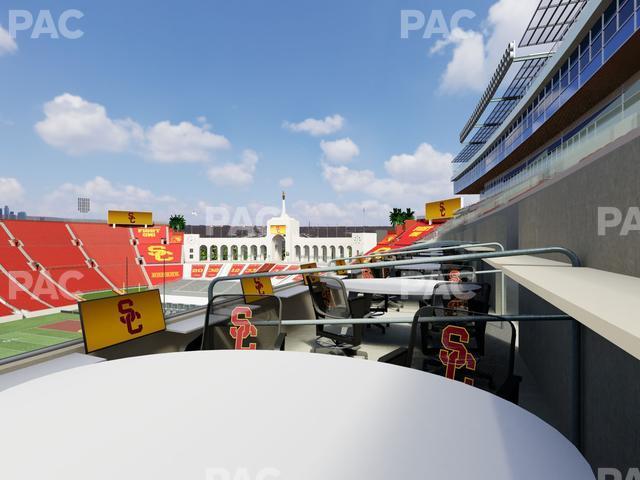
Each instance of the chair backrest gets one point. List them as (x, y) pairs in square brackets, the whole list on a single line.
[(329, 297), (330, 300), (455, 299), (458, 273), (230, 323)]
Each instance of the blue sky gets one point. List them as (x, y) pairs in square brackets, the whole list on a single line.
[(181, 107)]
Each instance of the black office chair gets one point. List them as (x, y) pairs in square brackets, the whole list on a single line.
[(457, 299), (458, 273), (404, 356), (232, 323), (472, 370), (330, 301)]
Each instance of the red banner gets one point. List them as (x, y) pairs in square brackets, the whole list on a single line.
[(214, 270), (150, 235), (236, 269), (288, 269), (157, 253), (253, 268), (158, 273), (176, 237), (266, 268), (197, 271)]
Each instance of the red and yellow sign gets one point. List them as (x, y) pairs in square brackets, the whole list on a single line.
[(161, 253), (253, 268), (278, 229), (197, 271), (420, 231), (266, 268), (150, 235), (256, 288), (341, 263), (442, 210), (176, 237), (213, 270), (120, 217), (454, 354), (311, 278), (236, 269), (159, 273), (113, 320)]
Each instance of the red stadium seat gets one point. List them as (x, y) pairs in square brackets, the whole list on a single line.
[(50, 244), (14, 262), (4, 310), (112, 250)]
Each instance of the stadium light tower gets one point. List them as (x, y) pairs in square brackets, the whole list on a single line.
[(84, 205)]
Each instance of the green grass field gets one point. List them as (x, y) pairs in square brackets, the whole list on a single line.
[(26, 335), (21, 336)]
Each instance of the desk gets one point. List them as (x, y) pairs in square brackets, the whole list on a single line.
[(21, 375), (406, 287), (173, 416)]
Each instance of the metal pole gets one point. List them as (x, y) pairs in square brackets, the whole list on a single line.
[(407, 251), (575, 262)]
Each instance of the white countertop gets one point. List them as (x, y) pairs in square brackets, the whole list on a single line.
[(410, 287), (289, 416)]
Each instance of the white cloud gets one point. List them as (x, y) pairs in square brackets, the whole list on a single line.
[(76, 126), (426, 164), (339, 151), (235, 174), (467, 68), (418, 177), (7, 43), (10, 190), (476, 54), (184, 142), (317, 128), (104, 196), (286, 182)]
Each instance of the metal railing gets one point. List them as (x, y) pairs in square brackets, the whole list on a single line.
[(418, 248), (573, 258)]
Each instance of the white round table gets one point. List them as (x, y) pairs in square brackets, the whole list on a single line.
[(270, 415), (409, 287)]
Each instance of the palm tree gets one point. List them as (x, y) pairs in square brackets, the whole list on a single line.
[(177, 223), (408, 214), (395, 217)]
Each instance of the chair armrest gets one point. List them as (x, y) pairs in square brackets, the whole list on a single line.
[(399, 356), (279, 345)]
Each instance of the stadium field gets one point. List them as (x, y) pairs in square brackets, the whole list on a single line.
[(26, 335), (110, 293)]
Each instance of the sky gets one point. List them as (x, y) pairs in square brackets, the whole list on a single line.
[(212, 108)]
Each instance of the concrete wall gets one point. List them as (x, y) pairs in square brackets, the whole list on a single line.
[(565, 213)]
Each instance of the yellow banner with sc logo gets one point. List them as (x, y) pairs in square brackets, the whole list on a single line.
[(113, 320)]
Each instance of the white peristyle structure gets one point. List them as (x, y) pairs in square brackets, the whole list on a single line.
[(282, 243)]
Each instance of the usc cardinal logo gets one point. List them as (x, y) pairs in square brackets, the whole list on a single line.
[(129, 316), (242, 328), (160, 253), (454, 354)]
